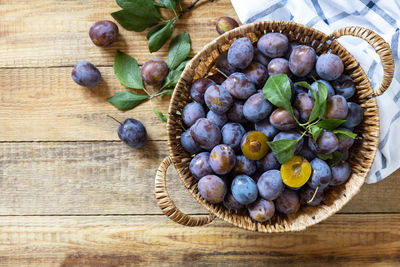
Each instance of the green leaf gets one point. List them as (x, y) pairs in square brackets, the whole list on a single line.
[(315, 131), (283, 149), (278, 91), (126, 100), (179, 49), (172, 79), (127, 70), (325, 156), (160, 115), (170, 4), (154, 30), (332, 159), (167, 92), (125, 3), (343, 134), (305, 85), (159, 38), (330, 124), (183, 64), (316, 111), (322, 96), (136, 15)]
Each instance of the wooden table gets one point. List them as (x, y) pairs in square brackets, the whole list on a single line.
[(72, 194)]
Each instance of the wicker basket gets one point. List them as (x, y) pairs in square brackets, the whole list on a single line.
[(361, 156)]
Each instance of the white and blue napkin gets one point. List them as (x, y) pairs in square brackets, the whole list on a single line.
[(381, 16)]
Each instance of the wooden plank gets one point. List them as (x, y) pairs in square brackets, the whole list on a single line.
[(55, 33), (352, 240), (44, 104), (110, 178)]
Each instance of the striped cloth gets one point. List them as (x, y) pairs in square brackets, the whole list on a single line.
[(381, 16)]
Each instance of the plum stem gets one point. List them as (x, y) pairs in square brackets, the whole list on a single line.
[(114, 119), (315, 193), (222, 73)]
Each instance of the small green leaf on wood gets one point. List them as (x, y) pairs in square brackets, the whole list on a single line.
[(159, 114), (283, 149), (127, 70), (179, 49), (126, 100)]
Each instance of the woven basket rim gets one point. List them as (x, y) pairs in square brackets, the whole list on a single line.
[(311, 215)]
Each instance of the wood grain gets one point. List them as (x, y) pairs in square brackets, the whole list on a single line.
[(111, 178), (55, 33), (44, 104), (156, 241)]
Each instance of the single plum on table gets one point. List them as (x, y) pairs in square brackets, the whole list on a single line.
[(133, 133), (103, 33), (86, 74)]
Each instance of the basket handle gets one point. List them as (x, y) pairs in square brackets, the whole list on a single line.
[(381, 47), (168, 207)]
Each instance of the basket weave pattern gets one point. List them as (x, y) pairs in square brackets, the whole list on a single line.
[(362, 153)]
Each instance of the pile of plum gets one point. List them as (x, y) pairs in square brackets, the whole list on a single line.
[(230, 122)]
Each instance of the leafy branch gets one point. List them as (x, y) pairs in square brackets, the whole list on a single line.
[(277, 90), (139, 15), (127, 71)]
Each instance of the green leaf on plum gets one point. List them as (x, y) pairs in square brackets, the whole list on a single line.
[(277, 90), (330, 124), (343, 134), (322, 97), (315, 132), (283, 149), (331, 159)]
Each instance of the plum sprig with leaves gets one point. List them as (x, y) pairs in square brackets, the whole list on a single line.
[(139, 15), (127, 71), (277, 90)]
